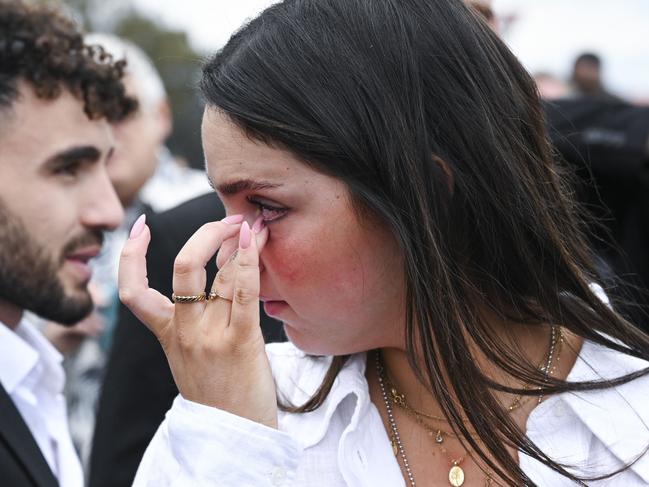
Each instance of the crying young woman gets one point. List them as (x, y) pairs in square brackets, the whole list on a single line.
[(393, 200)]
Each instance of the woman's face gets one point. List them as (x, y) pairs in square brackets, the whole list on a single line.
[(334, 281)]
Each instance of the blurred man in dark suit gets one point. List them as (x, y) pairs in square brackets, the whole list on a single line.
[(138, 388), (607, 141)]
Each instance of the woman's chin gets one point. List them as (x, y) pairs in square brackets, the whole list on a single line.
[(310, 345)]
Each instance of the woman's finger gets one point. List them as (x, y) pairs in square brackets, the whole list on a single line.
[(217, 310), (148, 305), (224, 280), (189, 277), (244, 314), (261, 234), (222, 290), (226, 250)]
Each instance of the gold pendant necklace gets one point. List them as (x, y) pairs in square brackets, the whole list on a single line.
[(456, 475)]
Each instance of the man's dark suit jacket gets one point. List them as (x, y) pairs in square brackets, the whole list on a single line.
[(21, 462), (138, 388), (607, 141)]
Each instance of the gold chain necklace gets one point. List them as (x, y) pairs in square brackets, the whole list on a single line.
[(456, 474), (546, 367)]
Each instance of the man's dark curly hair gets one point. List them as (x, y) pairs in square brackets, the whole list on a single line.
[(40, 45)]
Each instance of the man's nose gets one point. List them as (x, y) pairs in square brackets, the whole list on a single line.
[(102, 208)]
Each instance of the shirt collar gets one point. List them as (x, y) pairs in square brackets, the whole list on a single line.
[(21, 350), (617, 416), (350, 380), (625, 434)]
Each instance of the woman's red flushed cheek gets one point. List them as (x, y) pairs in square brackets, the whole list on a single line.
[(290, 263), (289, 270)]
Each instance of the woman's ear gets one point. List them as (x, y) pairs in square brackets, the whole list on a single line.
[(448, 173)]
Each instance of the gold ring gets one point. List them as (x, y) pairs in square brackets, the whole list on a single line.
[(213, 295), (188, 299)]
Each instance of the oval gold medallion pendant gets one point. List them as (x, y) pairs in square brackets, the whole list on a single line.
[(456, 476)]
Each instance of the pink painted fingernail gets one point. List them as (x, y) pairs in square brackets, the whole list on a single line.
[(245, 236), (138, 226), (232, 219), (258, 226)]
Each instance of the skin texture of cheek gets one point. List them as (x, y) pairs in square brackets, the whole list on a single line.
[(309, 273), (342, 285), (50, 236), (289, 263)]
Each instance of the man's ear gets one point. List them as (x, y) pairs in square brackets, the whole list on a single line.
[(448, 173)]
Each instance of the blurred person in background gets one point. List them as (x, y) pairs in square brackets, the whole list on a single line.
[(144, 171), (147, 178), (484, 8), (550, 87), (606, 141), (587, 78), (57, 96), (138, 387)]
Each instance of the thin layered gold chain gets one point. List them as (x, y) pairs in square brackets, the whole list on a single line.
[(547, 367), (456, 473)]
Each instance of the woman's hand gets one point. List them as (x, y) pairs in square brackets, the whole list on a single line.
[(215, 347)]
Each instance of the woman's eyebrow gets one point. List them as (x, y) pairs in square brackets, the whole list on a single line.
[(234, 187)]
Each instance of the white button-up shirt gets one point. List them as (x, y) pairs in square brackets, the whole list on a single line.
[(32, 375), (344, 442)]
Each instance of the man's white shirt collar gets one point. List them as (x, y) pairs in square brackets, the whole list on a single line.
[(32, 374), (20, 350)]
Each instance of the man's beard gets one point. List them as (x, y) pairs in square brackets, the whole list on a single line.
[(28, 276)]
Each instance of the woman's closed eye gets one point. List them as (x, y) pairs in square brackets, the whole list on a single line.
[(269, 212)]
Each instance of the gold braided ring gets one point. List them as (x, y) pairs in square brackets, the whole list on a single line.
[(214, 295), (188, 299)]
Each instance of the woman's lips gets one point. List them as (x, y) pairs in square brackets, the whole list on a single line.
[(274, 308)]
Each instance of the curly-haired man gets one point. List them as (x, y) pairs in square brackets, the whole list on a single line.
[(58, 97)]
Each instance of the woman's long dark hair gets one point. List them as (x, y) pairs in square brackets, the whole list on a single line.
[(436, 129)]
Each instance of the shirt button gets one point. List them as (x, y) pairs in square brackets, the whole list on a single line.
[(559, 409), (278, 477)]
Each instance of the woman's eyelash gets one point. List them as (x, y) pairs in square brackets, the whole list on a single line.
[(269, 212)]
